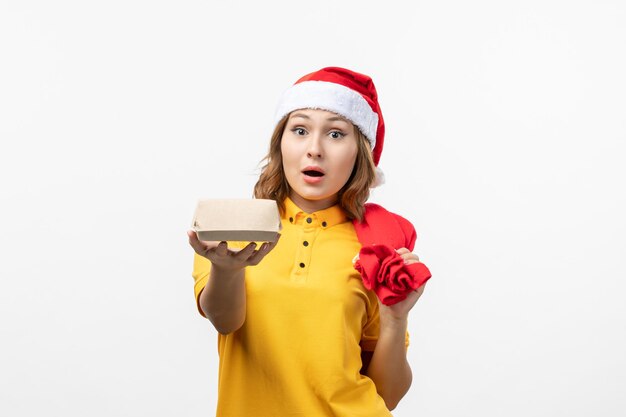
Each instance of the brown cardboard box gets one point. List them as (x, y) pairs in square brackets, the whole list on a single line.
[(254, 220)]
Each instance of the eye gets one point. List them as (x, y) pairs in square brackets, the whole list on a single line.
[(299, 131), (335, 134)]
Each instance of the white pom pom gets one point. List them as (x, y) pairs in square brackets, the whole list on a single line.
[(380, 178)]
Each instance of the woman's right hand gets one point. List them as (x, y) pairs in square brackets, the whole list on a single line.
[(226, 259)]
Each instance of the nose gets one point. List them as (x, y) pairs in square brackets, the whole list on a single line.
[(314, 149)]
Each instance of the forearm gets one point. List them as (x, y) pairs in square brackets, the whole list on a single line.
[(389, 368), (223, 300)]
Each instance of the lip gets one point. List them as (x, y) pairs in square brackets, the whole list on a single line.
[(312, 180), (313, 168)]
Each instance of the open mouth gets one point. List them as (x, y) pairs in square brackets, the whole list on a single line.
[(312, 173)]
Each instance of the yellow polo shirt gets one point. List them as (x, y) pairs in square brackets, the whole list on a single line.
[(308, 317)]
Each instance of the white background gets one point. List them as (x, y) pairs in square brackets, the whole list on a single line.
[(505, 147)]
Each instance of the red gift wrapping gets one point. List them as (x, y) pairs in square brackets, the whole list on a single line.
[(382, 269)]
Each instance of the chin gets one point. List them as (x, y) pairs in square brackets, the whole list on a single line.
[(315, 196)]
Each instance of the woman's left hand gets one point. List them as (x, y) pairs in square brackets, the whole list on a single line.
[(399, 312)]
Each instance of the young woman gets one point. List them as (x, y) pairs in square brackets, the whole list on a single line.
[(299, 334)]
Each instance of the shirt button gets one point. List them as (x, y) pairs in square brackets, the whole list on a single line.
[(305, 243), (301, 265), (291, 220), (324, 224), (309, 220)]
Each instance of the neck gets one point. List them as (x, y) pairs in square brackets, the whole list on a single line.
[(310, 206)]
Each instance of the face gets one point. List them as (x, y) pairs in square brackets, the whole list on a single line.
[(319, 151)]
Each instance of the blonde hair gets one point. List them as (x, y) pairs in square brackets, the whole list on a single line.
[(272, 183)]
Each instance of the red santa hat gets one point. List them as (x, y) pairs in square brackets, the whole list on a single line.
[(342, 91)]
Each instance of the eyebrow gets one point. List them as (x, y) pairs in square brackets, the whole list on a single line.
[(330, 119)]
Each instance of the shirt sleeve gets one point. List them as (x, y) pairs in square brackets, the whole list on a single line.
[(371, 329)]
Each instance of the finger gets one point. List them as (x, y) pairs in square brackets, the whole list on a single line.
[(260, 254), (193, 237), (222, 249), (410, 258), (256, 257), (402, 251), (195, 242), (257, 254), (245, 253), (271, 245)]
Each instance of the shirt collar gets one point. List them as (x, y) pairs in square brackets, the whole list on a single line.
[(325, 218)]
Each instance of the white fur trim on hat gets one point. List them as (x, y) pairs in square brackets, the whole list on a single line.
[(332, 97)]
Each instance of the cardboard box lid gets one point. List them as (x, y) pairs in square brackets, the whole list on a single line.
[(237, 220)]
